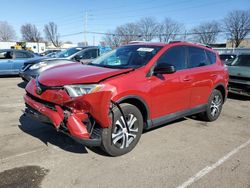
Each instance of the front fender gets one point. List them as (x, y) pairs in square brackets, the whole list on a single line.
[(96, 104)]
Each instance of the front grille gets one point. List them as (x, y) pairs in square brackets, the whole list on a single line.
[(239, 78), (25, 67), (49, 105)]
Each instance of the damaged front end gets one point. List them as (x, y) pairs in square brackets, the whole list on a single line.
[(82, 117)]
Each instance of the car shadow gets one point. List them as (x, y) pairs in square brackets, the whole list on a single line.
[(22, 84), (47, 134), (238, 97)]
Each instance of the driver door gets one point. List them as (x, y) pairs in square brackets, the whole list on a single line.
[(170, 93)]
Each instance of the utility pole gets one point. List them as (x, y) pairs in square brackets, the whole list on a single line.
[(185, 35), (85, 27), (94, 40)]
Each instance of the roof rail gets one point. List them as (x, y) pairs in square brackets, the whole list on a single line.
[(201, 44), (174, 41), (197, 43)]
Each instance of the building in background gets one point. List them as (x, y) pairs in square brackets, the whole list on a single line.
[(244, 43), (63, 46), (36, 47)]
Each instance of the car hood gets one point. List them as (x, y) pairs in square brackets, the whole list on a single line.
[(35, 60), (77, 74), (241, 71)]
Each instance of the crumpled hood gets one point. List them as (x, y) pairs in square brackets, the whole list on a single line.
[(77, 73), (241, 71)]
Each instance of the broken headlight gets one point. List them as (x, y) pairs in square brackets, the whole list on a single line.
[(79, 90)]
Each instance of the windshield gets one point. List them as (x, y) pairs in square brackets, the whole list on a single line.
[(127, 57), (68, 52), (242, 60)]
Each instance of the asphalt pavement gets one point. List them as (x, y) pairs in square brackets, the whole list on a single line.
[(185, 153)]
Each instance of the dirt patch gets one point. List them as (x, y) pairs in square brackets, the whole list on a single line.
[(22, 177)]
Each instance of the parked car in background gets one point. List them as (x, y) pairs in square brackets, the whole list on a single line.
[(239, 75), (227, 58), (12, 60), (32, 69), (50, 51), (52, 54), (109, 102)]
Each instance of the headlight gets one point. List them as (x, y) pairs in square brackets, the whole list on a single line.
[(38, 65), (79, 90)]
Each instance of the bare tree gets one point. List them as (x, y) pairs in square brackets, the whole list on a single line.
[(168, 30), (206, 33), (7, 33), (237, 24), (30, 33), (128, 32), (51, 34), (147, 28), (112, 39)]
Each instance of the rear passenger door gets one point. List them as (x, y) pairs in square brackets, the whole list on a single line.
[(203, 73)]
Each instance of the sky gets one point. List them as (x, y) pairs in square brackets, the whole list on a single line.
[(106, 15)]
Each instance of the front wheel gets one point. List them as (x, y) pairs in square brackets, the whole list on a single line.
[(120, 138), (214, 106)]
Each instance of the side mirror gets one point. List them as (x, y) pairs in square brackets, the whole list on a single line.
[(77, 58), (164, 68)]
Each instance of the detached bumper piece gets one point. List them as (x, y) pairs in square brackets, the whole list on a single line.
[(69, 123)]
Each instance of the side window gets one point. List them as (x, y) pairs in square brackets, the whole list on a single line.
[(6, 55), (174, 56), (89, 54), (211, 57), (197, 57), (20, 55)]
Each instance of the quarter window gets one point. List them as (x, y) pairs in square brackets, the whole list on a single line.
[(174, 56)]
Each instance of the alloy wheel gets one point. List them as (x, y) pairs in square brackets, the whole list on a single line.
[(123, 136), (216, 105)]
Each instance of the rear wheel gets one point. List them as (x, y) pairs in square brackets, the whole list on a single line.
[(120, 139), (214, 106)]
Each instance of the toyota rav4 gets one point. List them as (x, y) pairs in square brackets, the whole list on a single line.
[(109, 102)]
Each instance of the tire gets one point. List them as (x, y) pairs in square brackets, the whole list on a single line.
[(214, 106), (116, 140)]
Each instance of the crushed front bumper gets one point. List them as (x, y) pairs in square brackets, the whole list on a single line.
[(73, 127), (83, 125)]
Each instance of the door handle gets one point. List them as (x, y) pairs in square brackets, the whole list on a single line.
[(213, 75)]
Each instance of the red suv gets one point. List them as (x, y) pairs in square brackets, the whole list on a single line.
[(110, 101)]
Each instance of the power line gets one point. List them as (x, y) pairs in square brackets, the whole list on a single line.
[(140, 35), (214, 3)]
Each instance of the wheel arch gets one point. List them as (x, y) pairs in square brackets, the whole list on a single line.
[(223, 90), (140, 103)]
